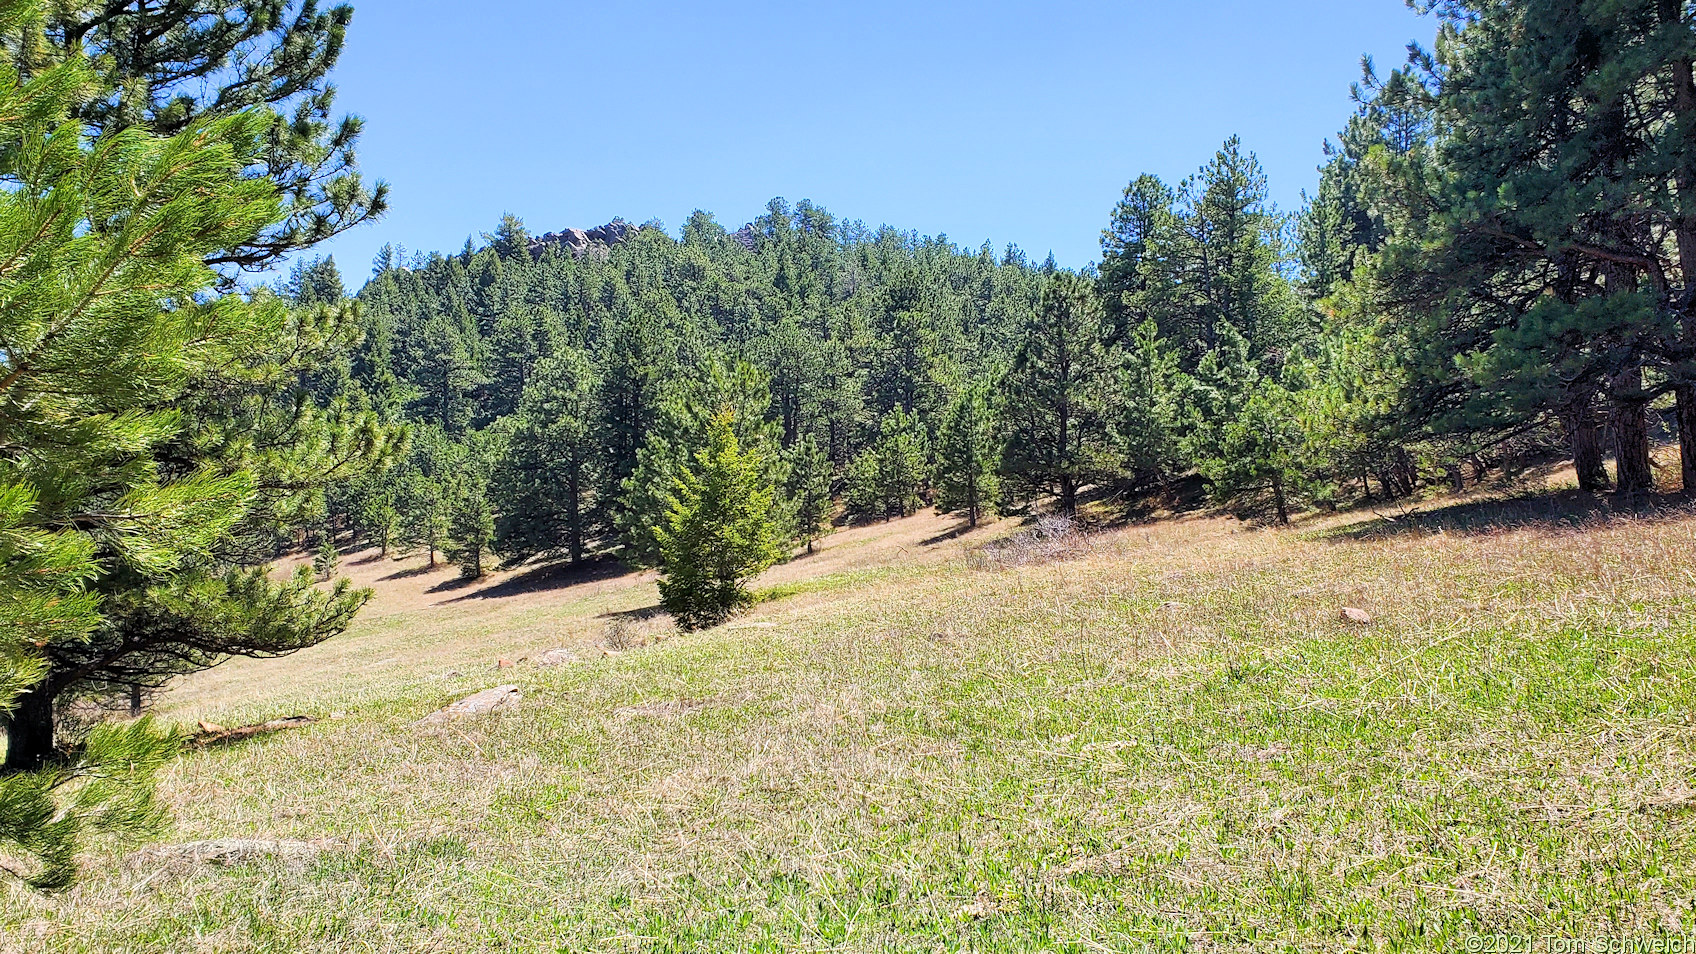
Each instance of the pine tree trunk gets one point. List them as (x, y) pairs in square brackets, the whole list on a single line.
[(1068, 495), (1278, 499), (29, 731), (1671, 13), (574, 522), (1388, 485), (1631, 435), (1687, 435), (1579, 421)]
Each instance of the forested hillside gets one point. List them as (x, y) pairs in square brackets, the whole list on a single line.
[(1443, 307)]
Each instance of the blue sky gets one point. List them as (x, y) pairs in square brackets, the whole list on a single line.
[(1013, 122)]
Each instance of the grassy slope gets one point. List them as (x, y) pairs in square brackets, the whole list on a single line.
[(1170, 741)]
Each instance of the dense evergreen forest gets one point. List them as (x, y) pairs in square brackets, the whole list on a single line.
[(1494, 270)]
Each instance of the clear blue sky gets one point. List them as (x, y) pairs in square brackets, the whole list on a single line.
[(1013, 122)]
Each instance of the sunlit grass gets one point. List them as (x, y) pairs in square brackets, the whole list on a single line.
[(1170, 741)]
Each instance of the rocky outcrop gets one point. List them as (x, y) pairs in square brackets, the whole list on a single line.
[(581, 242)]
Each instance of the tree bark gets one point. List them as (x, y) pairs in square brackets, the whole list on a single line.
[(1068, 495), (1687, 434), (574, 524), (1579, 420), (1684, 231), (1278, 499), (29, 730), (1631, 435)]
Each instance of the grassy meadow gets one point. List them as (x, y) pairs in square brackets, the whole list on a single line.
[(1166, 738)]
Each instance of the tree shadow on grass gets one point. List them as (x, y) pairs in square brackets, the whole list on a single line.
[(454, 583), (1569, 508), (638, 615), (952, 533), (549, 576), (410, 572)]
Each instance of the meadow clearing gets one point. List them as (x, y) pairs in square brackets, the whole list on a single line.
[(1163, 737)]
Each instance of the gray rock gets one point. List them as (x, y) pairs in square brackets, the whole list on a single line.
[(489, 700), (584, 242), (556, 657)]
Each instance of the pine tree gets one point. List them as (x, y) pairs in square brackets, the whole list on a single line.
[(968, 455), (1144, 419), (1245, 432), (423, 510), (243, 412), (326, 561), (887, 480), (470, 525), (636, 365), (1141, 220), (1215, 260), (544, 486), (1549, 272), (376, 517), (718, 531), (1056, 395), (170, 65), (808, 488), (109, 323)]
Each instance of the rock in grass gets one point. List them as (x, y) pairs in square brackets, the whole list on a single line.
[(556, 657), (1358, 616), (500, 697)]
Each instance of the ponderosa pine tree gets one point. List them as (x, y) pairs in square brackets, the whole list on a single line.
[(1245, 434), (107, 324), (1361, 418), (1141, 222), (1554, 273), (719, 530), (809, 490), (637, 359), (423, 488), (887, 479), (242, 413), (1215, 259), (168, 65), (796, 362), (326, 560), (423, 516), (1144, 417), (968, 455), (544, 487), (470, 526), (913, 366), (1055, 396)]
